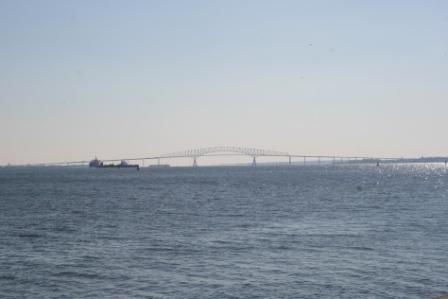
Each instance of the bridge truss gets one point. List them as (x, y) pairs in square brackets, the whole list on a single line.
[(216, 150)]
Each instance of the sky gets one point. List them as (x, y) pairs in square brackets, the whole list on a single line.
[(80, 79)]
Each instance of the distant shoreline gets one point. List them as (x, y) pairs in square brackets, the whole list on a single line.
[(423, 160)]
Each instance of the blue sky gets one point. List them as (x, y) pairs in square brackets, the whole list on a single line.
[(132, 78)]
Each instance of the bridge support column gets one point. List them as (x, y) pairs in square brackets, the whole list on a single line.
[(318, 159), (195, 163), (304, 161), (289, 160), (254, 161)]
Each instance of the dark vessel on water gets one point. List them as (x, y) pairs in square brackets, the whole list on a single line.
[(123, 164)]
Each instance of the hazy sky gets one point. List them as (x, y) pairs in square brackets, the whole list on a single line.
[(132, 78)]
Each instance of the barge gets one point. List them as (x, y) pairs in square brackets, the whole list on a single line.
[(123, 164)]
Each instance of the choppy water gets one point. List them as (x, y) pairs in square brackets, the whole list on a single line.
[(264, 232)]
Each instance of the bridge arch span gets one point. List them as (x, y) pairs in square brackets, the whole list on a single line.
[(246, 151)]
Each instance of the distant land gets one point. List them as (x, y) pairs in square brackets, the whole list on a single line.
[(411, 160)]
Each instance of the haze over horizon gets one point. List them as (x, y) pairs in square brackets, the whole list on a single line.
[(137, 78)]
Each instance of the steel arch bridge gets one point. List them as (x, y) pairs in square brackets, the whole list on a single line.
[(246, 151), (235, 151), (208, 151)]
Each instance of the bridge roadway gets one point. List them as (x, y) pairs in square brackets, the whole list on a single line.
[(221, 151)]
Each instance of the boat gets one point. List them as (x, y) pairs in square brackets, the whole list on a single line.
[(96, 163), (123, 164)]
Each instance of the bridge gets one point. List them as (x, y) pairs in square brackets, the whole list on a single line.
[(221, 151)]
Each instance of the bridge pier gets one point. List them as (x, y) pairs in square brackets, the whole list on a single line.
[(254, 161), (195, 163), (289, 160), (304, 161)]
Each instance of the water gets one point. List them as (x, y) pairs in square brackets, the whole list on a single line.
[(264, 232)]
